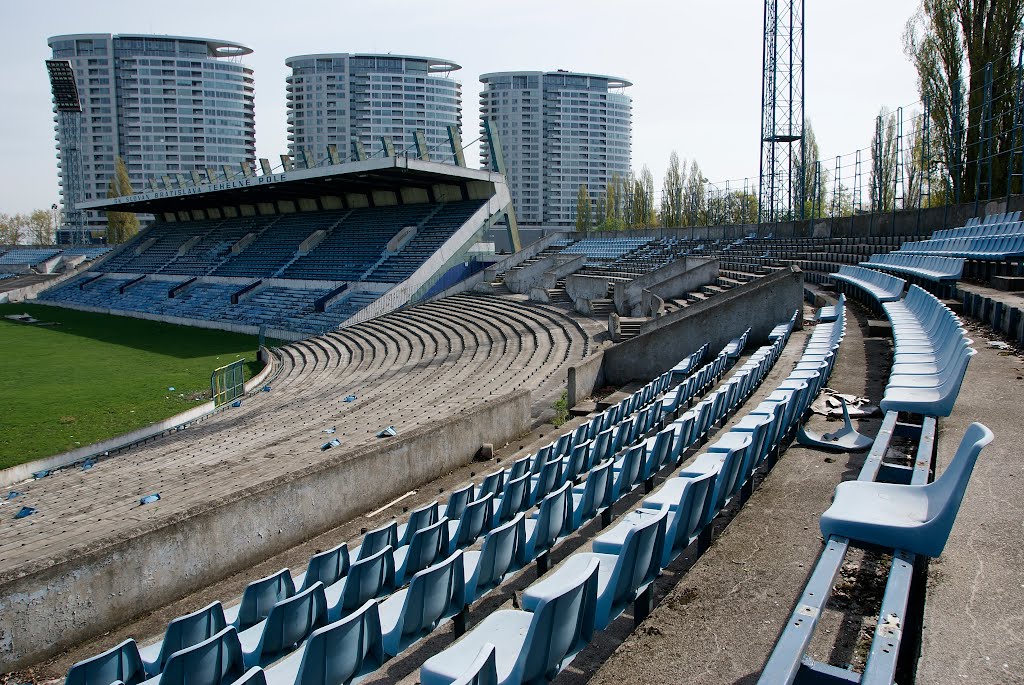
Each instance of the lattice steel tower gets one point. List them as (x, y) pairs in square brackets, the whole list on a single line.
[(782, 188)]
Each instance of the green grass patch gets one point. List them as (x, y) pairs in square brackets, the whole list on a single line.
[(85, 377)]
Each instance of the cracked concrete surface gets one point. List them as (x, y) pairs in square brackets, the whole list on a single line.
[(974, 611)]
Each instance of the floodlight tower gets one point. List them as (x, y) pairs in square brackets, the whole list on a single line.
[(781, 193), (69, 119)]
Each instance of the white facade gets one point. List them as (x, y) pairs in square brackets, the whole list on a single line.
[(559, 130), (167, 105), (341, 98)]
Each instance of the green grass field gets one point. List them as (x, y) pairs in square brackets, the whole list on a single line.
[(89, 376)]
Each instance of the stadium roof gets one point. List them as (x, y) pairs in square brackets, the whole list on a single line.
[(360, 177)]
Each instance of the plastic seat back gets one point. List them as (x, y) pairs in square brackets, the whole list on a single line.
[(426, 547), (552, 518), (419, 519), (377, 539), (542, 457), (475, 521), (188, 630), (514, 499), (368, 579), (435, 592), (458, 501), (947, 492), (602, 446), (577, 462), (327, 567), (639, 561), (498, 552), (121, 662), (261, 595), (254, 676), (519, 468), (216, 661), (291, 621), (546, 480), (563, 623), (493, 484), (630, 471), (344, 650)]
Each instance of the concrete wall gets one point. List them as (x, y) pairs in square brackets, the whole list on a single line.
[(585, 377), (51, 605), (672, 280), (540, 274), (760, 304)]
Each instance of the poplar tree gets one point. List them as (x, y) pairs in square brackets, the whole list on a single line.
[(121, 226)]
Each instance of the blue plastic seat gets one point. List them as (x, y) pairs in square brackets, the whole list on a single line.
[(426, 547), (530, 647), (216, 661), (627, 470), (476, 520), (914, 518), (688, 501), (434, 594), (367, 579), (418, 520), (547, 525), (376, 540), (544, 481), (577, 463), (492, 483), (183, 632), (594, 496), (514, 499), (258, 598), (499, 554), (630, 558), (119, 663), (289, 622), (457, 502), (340, 653), (518, 469), (327, 567)]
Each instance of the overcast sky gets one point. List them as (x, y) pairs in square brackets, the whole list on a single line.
[(695, 65)]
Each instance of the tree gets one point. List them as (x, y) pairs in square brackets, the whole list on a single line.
[(694, 195), (121, 226), (41, 230), (672, 193), (12, 228), (950, 42), (812, 197), (883, 163), (643, 199), (584, 216)]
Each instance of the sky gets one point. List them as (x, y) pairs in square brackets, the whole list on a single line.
[(695, 66)]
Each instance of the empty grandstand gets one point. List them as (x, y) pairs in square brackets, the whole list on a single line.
[(295, 253)]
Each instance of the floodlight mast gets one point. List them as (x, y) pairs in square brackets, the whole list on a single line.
[(69, 118), (783, 157)]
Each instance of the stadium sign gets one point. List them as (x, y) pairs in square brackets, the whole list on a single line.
[(248, 181)]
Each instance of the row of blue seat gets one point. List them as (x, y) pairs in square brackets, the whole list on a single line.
[(889, 506), (386, 558), (991, 248), (881, 287), (560, 612), (981, 230), (992, 219), (926, 267), (930, 356)]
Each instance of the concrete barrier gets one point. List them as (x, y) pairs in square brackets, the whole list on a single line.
[(544, 273), (672, 280), (584, 378), (584, 287), (52, 604), (760, 304)]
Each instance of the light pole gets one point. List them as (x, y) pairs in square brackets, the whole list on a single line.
[(55, 210)]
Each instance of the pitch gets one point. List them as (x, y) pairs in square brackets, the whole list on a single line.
[(78, 377)]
